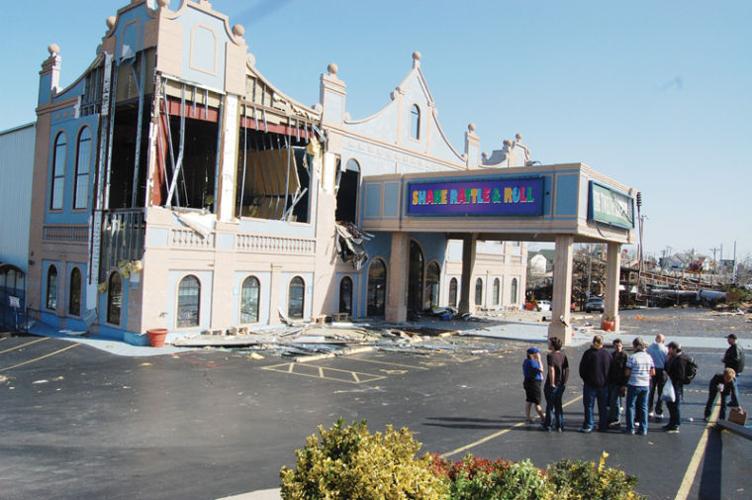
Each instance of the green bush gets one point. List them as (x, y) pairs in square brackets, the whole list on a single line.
[(582, 480), (348, 462)]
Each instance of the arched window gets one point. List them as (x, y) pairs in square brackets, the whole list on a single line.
[(58, 172), (433, 277), (189, 302), (513, 290), (249, 300), (296, 298), (83, 159), (114, 298), (453, 292), (496, 291), (346, 295), (415, 122), (478, 292), (51, 301), (376, 296), (74, 293)]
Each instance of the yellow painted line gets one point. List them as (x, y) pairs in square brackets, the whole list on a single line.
[(387, 363), (289, 369), (53, 353), (19, 346), (694, 463), (355, 376), (496, 434), (320, 373)]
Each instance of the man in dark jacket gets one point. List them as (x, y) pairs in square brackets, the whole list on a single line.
[(734, 359), (676, 366), (594, 368), (723, 384), (617, 382)]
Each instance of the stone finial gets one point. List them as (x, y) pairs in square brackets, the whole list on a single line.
[(471, 127), (238, 30), (111, 22), (164, 4), (332, 69), (518, 137), (53, 49), (416, 59), (507, 143)]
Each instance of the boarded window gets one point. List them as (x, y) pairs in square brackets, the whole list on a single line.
[(478, 292), (453, 292), (51, 301), (345, 295), (114, 298), (296, 298), (58, 172), (513, 294), (189, 297), (249, 300), (74, 293), (376, 288), (496, 291), (415, 122)]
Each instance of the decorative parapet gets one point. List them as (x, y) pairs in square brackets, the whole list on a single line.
[(75, 234), (189, 239), (255, 243)]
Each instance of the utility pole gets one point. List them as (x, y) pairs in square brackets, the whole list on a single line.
[(733, 275)]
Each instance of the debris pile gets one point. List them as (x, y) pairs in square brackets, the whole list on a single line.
[(351, 244)]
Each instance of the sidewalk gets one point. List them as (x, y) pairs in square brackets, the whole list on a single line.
[(272, 494)]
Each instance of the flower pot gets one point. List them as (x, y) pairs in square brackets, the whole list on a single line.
[(157, 336), (608, 325)]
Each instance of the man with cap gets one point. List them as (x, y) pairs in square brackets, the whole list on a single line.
[(639, 369), (594, 367), (532, 369), (734, 359), (676, 368), (659, 353)]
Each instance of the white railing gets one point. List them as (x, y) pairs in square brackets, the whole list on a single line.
[(188, 238), (78, 234), (254, 243)]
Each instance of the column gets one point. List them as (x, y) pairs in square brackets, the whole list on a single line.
[(274, 284), (228, 164), (613, 270), (562, 293), (468, 264), (397, 276)]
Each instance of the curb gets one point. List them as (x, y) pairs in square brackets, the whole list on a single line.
[(735, 428)]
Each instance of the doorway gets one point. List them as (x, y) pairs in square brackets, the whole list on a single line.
[(415, 283)]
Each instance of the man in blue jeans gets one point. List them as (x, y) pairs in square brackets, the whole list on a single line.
[(556, 381), (640, 368), (594, 367)]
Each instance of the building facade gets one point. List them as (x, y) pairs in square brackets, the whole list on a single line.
[(176, 187)]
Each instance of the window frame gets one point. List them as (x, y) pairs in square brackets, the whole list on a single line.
[(381, 262), (198, 302), (78, 175), (478, 298), (71, 289), (110, 302), (254, 278), (351, 292), (415, 122), (295, 280), (52, 274), (58, 177), (452, 293), (496, 292), (514, 291)]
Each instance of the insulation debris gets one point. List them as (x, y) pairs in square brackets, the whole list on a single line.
[(351, 244)]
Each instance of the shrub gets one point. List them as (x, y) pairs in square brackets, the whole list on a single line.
[(347, 461), (583, 480)]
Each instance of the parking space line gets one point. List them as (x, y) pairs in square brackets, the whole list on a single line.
[(387, 363), (19, 346), (496, 434), (324, 373), (39, 358), (694, 464)]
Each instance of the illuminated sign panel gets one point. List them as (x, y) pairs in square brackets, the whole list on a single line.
[(610, 207), (501, 197)]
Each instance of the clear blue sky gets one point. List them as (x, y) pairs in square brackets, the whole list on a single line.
[(655, 94)]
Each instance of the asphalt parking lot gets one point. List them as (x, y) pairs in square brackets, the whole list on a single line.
[(81, 423)]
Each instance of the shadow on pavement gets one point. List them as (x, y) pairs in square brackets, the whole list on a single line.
[(710, 477)]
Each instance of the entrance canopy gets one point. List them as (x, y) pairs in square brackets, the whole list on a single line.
[(538, 203)]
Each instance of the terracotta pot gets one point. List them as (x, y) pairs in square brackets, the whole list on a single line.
[(157, 336), (608, 325)]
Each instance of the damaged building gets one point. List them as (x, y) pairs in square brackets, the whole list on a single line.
[(176, 187)]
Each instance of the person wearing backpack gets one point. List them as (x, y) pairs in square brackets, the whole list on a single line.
[(734, 359), (681, 370)]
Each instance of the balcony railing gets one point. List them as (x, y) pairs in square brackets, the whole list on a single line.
[(122, 238)]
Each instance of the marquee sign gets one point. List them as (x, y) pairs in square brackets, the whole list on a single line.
[(610, 207), (499, 197)]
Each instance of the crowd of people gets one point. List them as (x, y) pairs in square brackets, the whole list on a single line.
[(640, 383)]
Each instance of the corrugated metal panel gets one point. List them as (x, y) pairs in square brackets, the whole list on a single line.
[(16, 170)]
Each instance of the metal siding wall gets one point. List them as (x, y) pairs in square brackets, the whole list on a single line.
[(16, 168)]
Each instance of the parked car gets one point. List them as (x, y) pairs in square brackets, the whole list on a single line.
[(544, 305), (594, 304)]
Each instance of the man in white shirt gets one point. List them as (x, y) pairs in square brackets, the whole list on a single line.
[(659, 352), (640, 368)]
